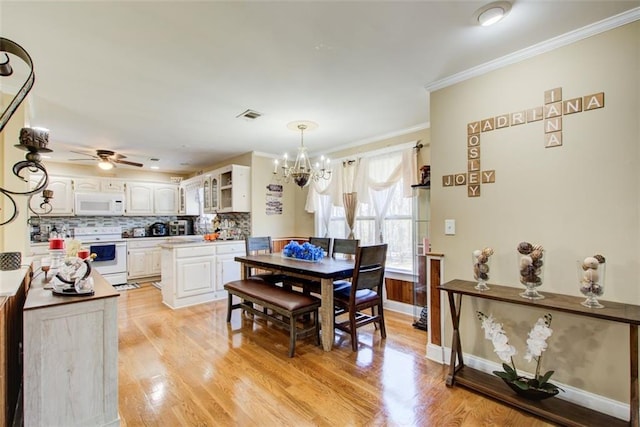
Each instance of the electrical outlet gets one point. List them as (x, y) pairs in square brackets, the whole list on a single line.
[(450, 227)]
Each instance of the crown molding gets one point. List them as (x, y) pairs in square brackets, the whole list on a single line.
[(540, 48), (421, 126)]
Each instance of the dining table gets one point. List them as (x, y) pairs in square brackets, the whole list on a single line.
[(325, 271)]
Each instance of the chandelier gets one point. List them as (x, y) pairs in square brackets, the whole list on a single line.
[(301, 171)]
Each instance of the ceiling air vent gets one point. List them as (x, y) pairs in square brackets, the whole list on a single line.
[(249, 115)]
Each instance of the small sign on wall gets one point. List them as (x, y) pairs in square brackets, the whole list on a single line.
[(274, 199)]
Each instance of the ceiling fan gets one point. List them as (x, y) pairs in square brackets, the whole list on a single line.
[(107, 159)]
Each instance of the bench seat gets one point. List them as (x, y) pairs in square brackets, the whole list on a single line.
[(286, 303)]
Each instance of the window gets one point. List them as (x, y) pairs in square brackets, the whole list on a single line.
[(395, 225)]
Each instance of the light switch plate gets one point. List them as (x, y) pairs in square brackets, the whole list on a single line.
[(450, 227)]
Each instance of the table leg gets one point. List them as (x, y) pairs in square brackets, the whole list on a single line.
[(326, 313), (455, 303), (634, 395)]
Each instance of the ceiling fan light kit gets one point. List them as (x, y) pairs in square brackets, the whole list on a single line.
[(105, 165), (107, 159)]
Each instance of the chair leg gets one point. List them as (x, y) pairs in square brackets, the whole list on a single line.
[(292, 335), (229, 308), (354, 332), (383, 330)]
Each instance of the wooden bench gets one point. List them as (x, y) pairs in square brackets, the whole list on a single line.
[(286, 303)]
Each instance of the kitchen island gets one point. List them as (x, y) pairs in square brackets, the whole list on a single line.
[(71, 356), (195, 272)]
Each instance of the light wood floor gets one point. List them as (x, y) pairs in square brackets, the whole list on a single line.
[(188, 367)]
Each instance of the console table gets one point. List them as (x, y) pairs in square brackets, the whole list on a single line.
[(554, 409)]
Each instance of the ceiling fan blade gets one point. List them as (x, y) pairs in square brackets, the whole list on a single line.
[(126, 162), (118, 156), (84, 154), (85, 160)]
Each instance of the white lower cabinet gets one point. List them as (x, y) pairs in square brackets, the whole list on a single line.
[(143, 258), (195, 276), (195, 273)]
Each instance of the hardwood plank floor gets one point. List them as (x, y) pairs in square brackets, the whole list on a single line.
[(188, 367)]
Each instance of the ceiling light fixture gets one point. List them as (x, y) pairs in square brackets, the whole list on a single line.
[(301, 172), (105, 165), (491, 13)]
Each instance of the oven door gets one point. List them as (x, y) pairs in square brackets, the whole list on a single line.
[(111, 257)]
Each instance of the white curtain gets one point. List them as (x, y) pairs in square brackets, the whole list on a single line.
[(368, 180)]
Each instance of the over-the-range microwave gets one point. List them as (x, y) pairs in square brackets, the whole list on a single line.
[(99, 203)]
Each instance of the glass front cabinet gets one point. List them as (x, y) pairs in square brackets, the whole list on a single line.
[(421, 246)]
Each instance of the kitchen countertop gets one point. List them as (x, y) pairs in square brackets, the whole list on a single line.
[(188, 237), (187, 244), (39, 297), (11, 280)]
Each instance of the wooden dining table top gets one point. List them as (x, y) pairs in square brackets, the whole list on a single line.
[(327, 268)]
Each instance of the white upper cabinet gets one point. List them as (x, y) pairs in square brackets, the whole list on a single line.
[(165, 199), (62, 201), (227, 189), (139, 198), (148, 198), (103, 185), (190, 195), (235, 189)]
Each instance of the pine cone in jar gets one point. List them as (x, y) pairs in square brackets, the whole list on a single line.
[(525, 248)]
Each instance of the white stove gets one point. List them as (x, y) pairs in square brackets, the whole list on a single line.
[(111, 250), (97, 234)]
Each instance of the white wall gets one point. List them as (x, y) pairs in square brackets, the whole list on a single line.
[(576, 200)]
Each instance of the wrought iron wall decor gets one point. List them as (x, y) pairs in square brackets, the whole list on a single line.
[(32, 140)]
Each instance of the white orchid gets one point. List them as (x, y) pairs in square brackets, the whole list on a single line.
[(537, 342), (536, 345), (493, 331)]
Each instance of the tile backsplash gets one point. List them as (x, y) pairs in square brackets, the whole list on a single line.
[(201, 225)]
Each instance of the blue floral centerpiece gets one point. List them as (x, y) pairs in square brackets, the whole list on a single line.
[(305, 251)]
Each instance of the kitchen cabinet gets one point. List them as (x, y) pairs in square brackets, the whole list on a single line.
[(104, 185), (215, 193), (143, 258), (195, 273), (227, 189), (139, 198), (182, 200), (206, 194), (148, 198), (165, 199), (227, 268), (71, 357), (189, 196), (211, 193), (235, 189), (62, 201)]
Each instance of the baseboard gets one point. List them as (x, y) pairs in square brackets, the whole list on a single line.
[(571, 394), (399, 307), (435, 353)]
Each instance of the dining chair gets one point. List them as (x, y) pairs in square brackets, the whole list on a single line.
[(344, 248), (308, 285), (256, 246), (364, 292), (323, 242)]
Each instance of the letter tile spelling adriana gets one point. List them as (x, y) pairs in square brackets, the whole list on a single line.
[(551, 114)]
